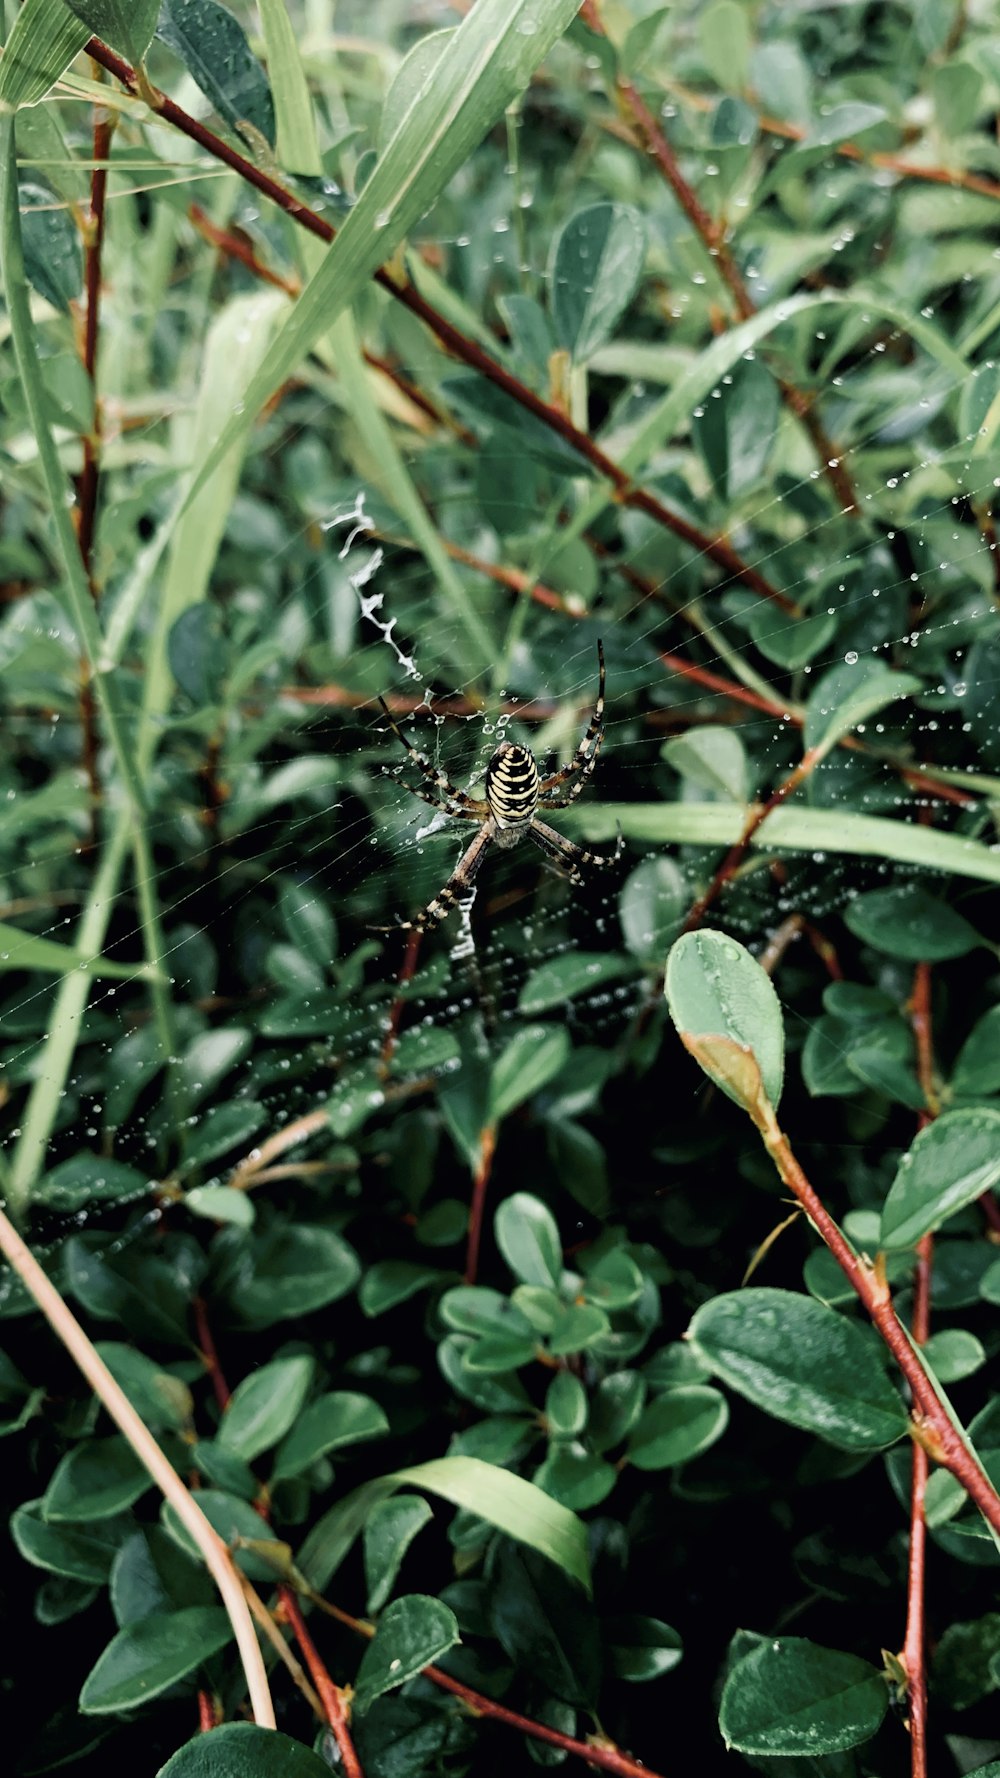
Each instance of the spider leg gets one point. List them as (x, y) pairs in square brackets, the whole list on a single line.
[(574, 859), (459, 883), (477, 811), (439, 779), (584, 760)]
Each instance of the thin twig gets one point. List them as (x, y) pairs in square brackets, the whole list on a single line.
[(627, 492), (480, 1183), (931, 1423), (112, 1397), (335, 1705), (597, 1751)]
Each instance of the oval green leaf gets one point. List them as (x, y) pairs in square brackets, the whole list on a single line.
[(528, 1238), (412, 1632), (595, 266), (794, 1698), (152, 1654), (948, 1165), (677, 1426), (264, 1406), (801, 1362), (243, 1750), (715, 988)]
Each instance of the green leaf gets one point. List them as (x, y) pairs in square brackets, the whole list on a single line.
[(735, 430), (220, 1203), (562, 978), (52, 255), (948, 1165), (194, 652), (95, 1480), (533, 1057), (789, 641), (792, 1697), (977, 1066), (838, 123), (803, 1363), (796, 829), (496, 1495), (575, 1476), (264, 1406), (89, 1178), (162, 1400), (724, 35), (147, 1657), (713, 758), (544, 1625), (578, 1328), (953, 1354), (411, 1633), (83, 1554), (329, 1422), (678, 1426), (565, 1406), (966, 1665), (211, 1055), (128, 29), (594, 269), (527, 1236), (242, 1750), (233, 1519), (212, 44), (389, 1531), (651, 906), (25, 950), (616, 1406), (849, 695), (486, 63), (714, 988), (510, 1504), (414, 71), (221, 1128), (392, 1281), (308, 921), (642, 1648), (907, 922), (46, 36), (291, 1272), (956, 89)]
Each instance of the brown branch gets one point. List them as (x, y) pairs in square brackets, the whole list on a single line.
[(931, 1423), (915, 1641), (756, 818), (598, 1752), (480, 1182), (626, 491), (891, 163), (406, 972), (713, 238), (335, 1704), (89, 477)]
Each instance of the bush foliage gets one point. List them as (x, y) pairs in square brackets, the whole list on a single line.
[(556, 1403)]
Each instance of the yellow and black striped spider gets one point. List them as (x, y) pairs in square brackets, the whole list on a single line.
[(509, 810)]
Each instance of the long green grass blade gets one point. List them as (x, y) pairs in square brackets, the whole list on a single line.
[(487, 62)]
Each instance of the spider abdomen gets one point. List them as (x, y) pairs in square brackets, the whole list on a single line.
[(512, 791)]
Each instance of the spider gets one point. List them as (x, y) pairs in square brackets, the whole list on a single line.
[(509, 810)]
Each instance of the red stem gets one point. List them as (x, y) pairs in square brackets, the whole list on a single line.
[(736, 854), (209, 1355), (468, 350), (332, 1697), (867, 1281), (405, 975), (597, 1752), (487, 1148)]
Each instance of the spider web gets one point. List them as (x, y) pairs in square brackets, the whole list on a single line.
[(478, 977)]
